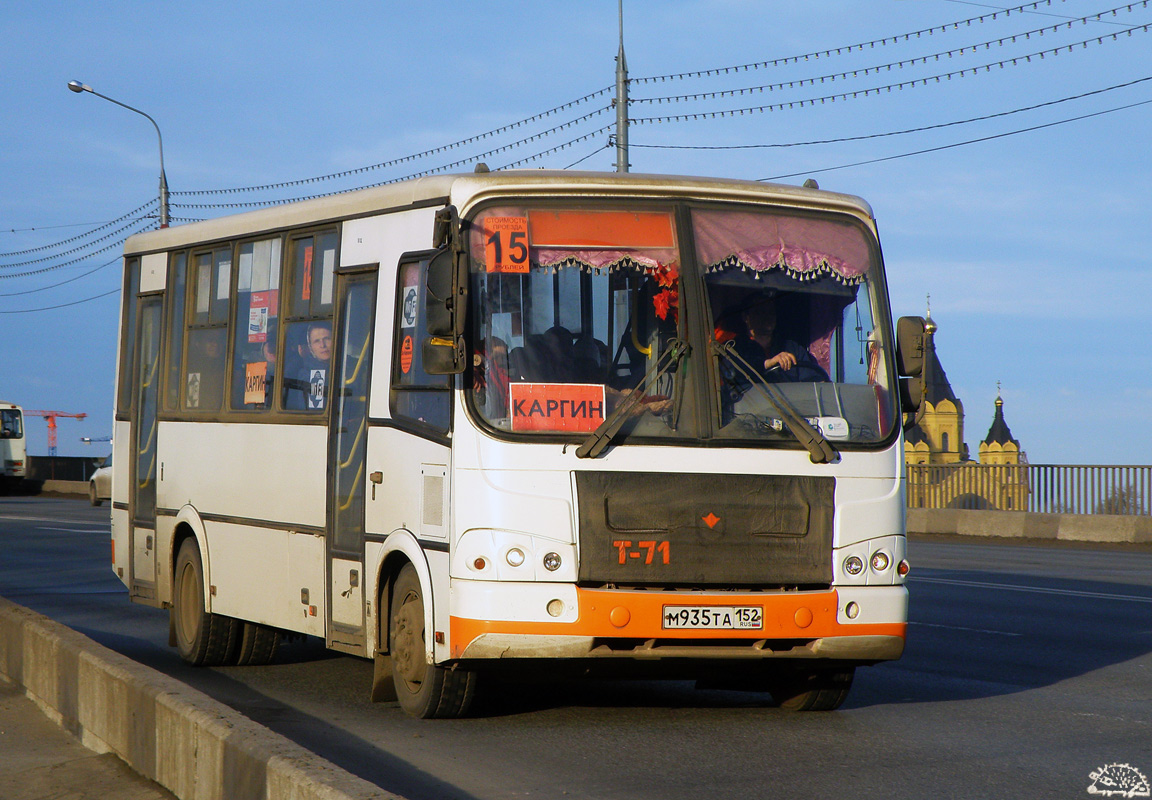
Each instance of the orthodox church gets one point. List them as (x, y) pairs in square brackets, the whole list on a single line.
[(937, 439)]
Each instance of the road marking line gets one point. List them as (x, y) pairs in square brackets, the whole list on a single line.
[(1035, 589), (75, 530), (962, 628)]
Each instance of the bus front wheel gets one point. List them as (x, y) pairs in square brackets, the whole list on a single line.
[(202, 639), (813, 690), (424, 690)]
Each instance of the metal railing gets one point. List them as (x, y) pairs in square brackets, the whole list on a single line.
[(1043, 488)]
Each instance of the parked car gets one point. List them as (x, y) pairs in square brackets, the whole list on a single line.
[(100, 484)]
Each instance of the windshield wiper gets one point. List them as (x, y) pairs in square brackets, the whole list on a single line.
[(599, 439), (819, 450)]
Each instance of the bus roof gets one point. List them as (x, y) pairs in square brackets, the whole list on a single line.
[(465, 189)]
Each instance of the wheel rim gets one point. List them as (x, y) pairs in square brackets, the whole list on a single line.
[(408, 642), (188, 597)]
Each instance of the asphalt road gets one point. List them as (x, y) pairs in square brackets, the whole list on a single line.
[(1028, 669)]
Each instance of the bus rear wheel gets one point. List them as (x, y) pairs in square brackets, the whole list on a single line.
[(813, 690), (258, 645), (202, 639), (425, 691)]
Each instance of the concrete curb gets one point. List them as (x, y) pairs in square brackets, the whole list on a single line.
[(192, 745), (1101, 528)]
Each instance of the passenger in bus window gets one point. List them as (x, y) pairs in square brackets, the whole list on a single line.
[(776, 357), (490, 376), (308, 389)]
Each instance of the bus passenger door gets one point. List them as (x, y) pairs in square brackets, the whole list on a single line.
[(347, 449), (143, 470)]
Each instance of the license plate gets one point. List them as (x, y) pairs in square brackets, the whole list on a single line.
[(718, 618)]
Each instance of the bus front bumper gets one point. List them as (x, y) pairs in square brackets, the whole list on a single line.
[(502, 621)]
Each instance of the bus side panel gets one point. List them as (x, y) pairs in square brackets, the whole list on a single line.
[(254, 488), (121, 554), (260, 574), (413, 495), (272, 474)]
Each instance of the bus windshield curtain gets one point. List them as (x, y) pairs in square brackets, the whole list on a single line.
[(804, 248)]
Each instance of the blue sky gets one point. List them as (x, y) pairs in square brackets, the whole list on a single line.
[(1032, 239)]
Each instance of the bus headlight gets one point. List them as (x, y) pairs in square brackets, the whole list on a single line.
[(853, 565), (492, 554), (880, 561)]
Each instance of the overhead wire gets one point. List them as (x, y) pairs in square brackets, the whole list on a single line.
[(61, 283), (431, 171), (557, 148), (77, 260), (60, 305), (863, 71), (845, 49), (959, 144), (1037, 12), (997, 13), (921, 129), (110, 235), (605, 146), (134, 212), (910, 84), (403, 159)]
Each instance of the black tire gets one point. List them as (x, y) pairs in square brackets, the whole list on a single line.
[(92, 498), (202, 639), (813, 690), (424, 690), (258, 645)]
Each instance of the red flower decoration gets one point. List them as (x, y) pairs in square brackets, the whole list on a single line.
[(667, 300)]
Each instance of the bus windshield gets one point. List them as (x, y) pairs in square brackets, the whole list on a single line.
[(11, 424), (795, 305), (577, 312)]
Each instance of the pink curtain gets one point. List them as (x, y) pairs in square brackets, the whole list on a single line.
[(803, 247)]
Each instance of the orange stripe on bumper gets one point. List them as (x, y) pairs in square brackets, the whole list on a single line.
[(604, 613)]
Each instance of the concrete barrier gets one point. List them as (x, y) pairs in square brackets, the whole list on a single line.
[(1103, 528), (192, 745)]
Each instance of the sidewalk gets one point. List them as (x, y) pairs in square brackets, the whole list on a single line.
[(39, 760)]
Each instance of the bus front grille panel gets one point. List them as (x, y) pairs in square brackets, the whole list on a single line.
[(660, 529)]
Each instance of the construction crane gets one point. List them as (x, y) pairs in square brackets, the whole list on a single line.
[(51, 416)]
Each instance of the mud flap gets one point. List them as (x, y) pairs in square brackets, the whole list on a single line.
[(383, 689)]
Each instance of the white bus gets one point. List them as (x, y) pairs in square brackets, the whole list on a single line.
[(476, 422), (13, 450)]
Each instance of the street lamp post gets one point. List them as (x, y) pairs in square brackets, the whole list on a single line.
[(79, 87)]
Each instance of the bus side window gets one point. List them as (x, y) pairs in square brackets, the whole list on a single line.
[(174, 330), (416, 395), (207, 352), (255, 348), (306, 362), (128, 337)]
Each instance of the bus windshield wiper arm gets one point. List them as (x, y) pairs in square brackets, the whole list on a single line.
[(598, 440), (819, 449)]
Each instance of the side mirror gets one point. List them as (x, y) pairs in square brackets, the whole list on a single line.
[(446, 299), (910, 346), (911, 395), (443, 356), (441, 317)]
